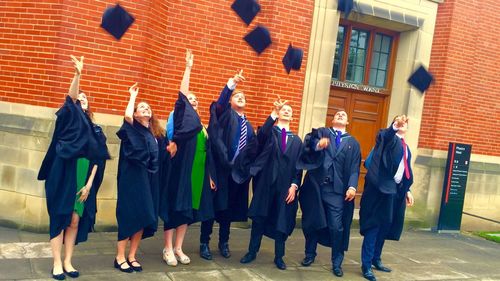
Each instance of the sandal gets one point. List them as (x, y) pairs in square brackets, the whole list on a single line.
[(169, 257), (119, 266), (135, 268), (182, 258)]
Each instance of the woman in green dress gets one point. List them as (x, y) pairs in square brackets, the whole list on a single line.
[(188, 196), (69, 170)]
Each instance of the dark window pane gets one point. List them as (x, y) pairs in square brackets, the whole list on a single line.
[(375, 59), (373, 76), (360, 58), (377, 43), (383, 61), (358, 75), (380, 78), (338, 53), (386, 44)]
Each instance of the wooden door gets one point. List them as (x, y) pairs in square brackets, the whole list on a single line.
[(367, 113)]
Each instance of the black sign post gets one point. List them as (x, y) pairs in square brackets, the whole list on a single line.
[(455, 181)]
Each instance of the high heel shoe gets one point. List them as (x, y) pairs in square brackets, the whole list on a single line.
[(169, 259), (119, 267)]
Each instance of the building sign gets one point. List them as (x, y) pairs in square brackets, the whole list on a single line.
[(357, 87), (455, 181)]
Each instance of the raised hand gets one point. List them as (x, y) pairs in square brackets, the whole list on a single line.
[(401, 121), (134, 90), (238, 77), (189, 58), (78, 64), (278, 104)]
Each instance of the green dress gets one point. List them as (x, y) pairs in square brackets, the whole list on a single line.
[(198, 170), (82, 169)]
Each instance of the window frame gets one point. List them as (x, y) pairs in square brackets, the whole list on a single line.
[(373, 30)]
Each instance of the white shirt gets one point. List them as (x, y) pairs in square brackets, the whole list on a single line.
[(398, 177)]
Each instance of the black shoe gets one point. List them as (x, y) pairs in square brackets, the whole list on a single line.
[(72, 274), (134, 268), (337, 271), (58, 276), (205, 251), (368, 274), (248, 257), (280, 264), (119, 266), (307, 261), (224, 250), (380, 267)]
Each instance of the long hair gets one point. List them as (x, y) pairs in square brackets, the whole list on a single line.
[(154, 124), (88, 111)]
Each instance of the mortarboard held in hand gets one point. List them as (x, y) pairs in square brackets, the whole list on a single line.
[(421, 79), (246, 9), (116, 20), (292, 58), (259, 39)]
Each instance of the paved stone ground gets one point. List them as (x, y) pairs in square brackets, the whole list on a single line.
[(420, 255)]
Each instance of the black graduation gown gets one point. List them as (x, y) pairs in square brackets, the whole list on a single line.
[(222, 129), (187, 126), (273, 173), (137, 181), (346, 162), (383, 203), (87, 221), (73, 138)]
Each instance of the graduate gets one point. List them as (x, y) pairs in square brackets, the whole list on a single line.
[(138, 180), (332, 158), (386, 195), (72, 170), (189, 191), (275, 183), (231, 137)]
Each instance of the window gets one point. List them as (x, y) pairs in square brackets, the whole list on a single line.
[(338, 53), (357, 56), (363, 54), (380, 60)]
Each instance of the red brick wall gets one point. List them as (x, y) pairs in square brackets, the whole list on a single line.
[(37, 37), (464, 103)]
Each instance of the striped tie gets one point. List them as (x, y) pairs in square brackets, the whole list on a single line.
[(243, 133)]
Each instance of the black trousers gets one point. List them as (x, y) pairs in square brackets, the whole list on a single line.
[(224, 219), (258, 228), (333, 204)]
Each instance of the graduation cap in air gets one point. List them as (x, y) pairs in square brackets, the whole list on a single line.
[(259, 39), (292, 58), (246, 9), (116, 20), (345, 6), (421, 79)]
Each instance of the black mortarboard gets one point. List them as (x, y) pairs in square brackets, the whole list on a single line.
[(292, 58), (345, 6), (246, 9), (116, 21), (259, 39), (421, 79)]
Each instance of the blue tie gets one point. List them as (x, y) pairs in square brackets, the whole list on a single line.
[(337, 138), (243, 133)]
